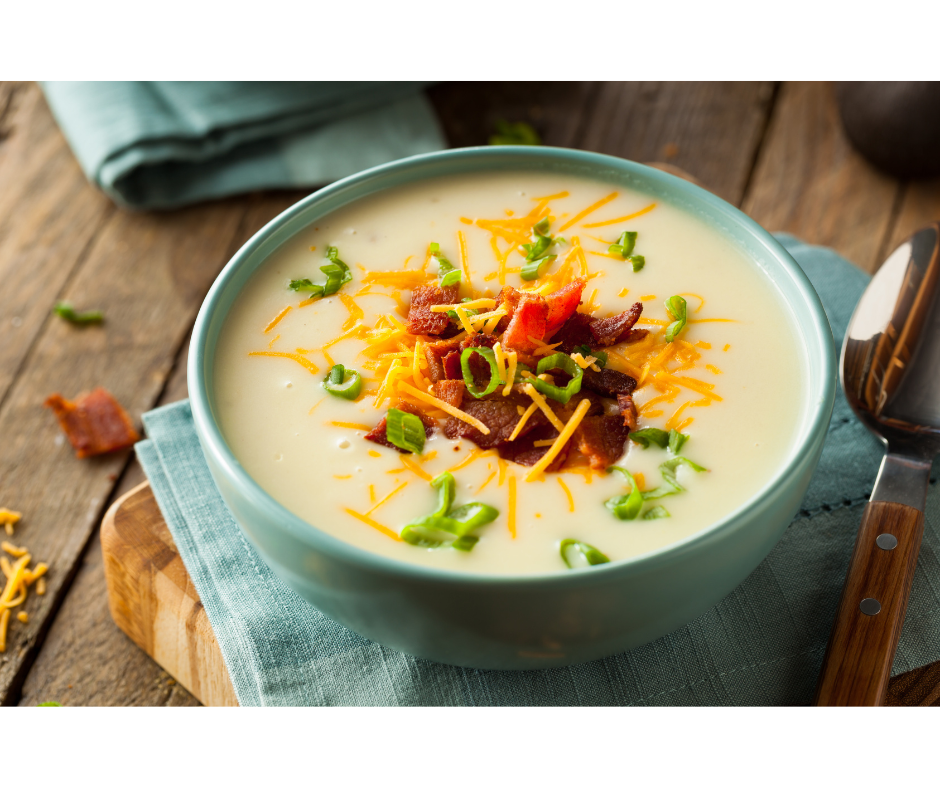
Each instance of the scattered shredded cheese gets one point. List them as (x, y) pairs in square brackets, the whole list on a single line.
[(378, 526), (568, 493), (304, 362), (355, 311), (539, 400), (521, 423), (8, 519), (511, 514), (278, 319), (579, 413), (445, 406), (511, 372), (477, 304)]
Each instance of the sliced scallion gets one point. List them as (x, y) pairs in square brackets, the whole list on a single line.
[(649, 435), (495, 379), (405, 430), (565, 363), (637, 261), (676, 441), (577, 554), (677, 311), (337, 274), (446, 526), (656, 513), (533, 269), (623, 246), (626, 507), (337, 384)]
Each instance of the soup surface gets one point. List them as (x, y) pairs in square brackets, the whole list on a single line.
[(723, 384)]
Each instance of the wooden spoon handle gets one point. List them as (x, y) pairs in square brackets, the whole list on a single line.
[(857, 664)]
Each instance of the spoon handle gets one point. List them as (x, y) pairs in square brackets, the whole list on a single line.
[(857, 664)]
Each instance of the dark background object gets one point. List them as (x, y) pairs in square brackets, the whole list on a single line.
[(895, 125)]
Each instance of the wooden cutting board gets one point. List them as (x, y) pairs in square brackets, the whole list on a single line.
[(155, 603)]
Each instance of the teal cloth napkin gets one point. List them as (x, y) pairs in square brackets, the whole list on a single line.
[(167, 144), (762, 645)]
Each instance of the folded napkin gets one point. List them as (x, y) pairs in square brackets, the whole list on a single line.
[(166, 144), (762, 645)]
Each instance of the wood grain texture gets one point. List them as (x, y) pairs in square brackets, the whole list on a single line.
[(857, 664), (56, 673), (153, 600), (711, 130), (48, 216), (809, 181), (920, 205)]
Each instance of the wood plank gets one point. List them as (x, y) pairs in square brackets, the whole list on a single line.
[(57, 673), (48, 215), (809, 181), (711, 130), (469, 111)]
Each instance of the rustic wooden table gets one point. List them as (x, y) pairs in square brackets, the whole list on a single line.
[(777, 151)]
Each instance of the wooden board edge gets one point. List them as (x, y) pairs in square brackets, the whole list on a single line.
[(163, 616)]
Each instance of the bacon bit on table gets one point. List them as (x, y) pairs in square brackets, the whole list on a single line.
[(95, 423)]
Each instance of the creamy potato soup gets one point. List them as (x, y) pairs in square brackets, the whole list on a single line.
[(509, 373)]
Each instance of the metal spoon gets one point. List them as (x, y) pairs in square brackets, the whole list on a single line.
[(891, 377)]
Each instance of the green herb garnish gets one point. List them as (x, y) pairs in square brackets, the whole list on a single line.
[(536, 268), (676, 441), (405, 430), (49, 703), (623, 245), (676, 309), (518, 133), (447, 526), (626, 507), (446, 272), (337, 274), (565, 363), (600, 357), (671, 484), (66, 311), (649, 435), (335, 384), (637, 261), (495, 380), (656, 513), (576, 554)]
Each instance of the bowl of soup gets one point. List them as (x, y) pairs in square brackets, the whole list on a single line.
[(512, 407)]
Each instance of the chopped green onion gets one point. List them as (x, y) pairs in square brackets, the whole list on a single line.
[(624, 245), (405, 430), (48, 703), (541, 226), (495, 380), (676, 441), (335, 384), (520, 368), (676, 309), (565, 363), (452, 313), (600, 357), (538, 248), (650, 435), (446, 526), (656, 513), (519, 133), (577, 554), (337, 274), (637, 261), (626, 507), (671, 484), (66, 311), (536, 268), (446, 272)]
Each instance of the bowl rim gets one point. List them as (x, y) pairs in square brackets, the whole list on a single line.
[(818, 401)]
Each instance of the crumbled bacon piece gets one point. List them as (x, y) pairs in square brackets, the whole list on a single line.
[(611, 330), (528, 323), (627, 410), (451, 391), (607, 382), (452, 368), (500, 415), (436, 354), (523, 452), (95, 423), (601, 440), (508, 297), (421, 320), (562, 304), (575, 332), (378, 431)]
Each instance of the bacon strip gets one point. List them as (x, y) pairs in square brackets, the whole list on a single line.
[(528, 323), (94, 423), (421, 320), (611, 330), (562, 304), (601, 439)]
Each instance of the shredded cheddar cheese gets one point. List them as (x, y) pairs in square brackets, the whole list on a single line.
[(521, 423), (446, 407), (280, 316), (511, 372), (376, 525), (539, 400), (355, 311), (479, 303), (539, 467), (567, 493), (304, 362), (19, 577), (511, 514), (8, 519)]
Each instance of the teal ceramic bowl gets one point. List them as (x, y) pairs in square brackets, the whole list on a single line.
[(525, 621)]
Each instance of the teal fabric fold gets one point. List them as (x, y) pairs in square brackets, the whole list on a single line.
[(168, 144), (762, 645)]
